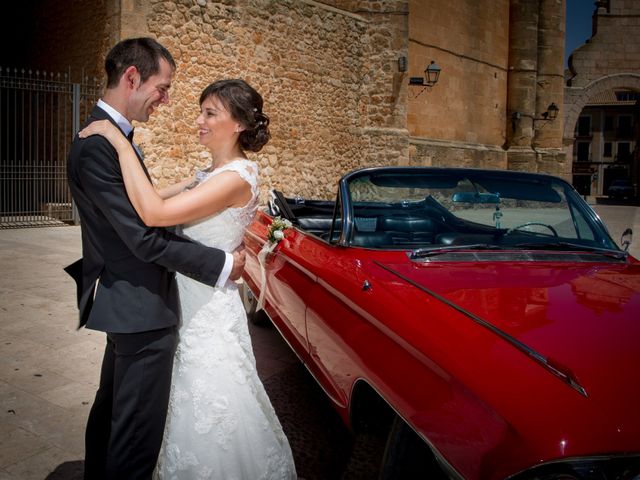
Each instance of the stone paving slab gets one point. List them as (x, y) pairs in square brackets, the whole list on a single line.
[(41, 389)]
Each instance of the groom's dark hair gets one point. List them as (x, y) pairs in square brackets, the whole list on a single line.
[(144, 53)]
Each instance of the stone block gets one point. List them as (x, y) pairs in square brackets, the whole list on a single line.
[(18, 445), (41, 464)]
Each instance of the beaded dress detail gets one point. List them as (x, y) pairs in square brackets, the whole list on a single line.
[(220, 424)]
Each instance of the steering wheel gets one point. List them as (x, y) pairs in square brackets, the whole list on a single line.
[(528, 224)]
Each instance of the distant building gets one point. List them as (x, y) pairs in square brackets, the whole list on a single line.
[(604, 141), (601, 124)]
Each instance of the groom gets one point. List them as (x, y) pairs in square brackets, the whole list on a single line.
[(126, 285)]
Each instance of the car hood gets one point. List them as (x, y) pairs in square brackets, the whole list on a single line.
[(582, 317)]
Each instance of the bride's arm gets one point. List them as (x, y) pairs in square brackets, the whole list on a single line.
[(227, 189), (175, 189)]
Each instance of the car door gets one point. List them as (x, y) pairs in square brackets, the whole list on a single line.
[(290, 282), (334, 324)]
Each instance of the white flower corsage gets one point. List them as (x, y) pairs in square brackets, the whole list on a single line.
[(274, 235), (277, 228)]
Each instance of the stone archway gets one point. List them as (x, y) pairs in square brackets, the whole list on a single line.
[(576, 98)]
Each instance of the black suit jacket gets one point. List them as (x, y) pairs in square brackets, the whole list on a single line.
[(134, 263)]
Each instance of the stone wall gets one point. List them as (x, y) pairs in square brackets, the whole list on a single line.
[(326, 73), (442, 153), (461, 120), (534, 142)]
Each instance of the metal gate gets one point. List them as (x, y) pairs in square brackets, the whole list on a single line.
[(39, 114)]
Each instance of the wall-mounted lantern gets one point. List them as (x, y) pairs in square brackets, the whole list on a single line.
[(431, 76), (549, 115)]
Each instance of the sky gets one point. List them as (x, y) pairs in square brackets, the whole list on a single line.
[(579, 14)]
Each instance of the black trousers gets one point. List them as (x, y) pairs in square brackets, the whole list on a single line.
[(126, 422)]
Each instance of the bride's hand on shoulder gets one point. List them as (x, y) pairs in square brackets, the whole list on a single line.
[(103, 128)]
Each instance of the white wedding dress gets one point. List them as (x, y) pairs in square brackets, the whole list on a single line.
[(221, 424)]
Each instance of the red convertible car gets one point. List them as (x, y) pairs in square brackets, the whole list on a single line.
[(483, 321)]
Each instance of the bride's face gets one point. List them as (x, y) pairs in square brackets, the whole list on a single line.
[(216, 126)]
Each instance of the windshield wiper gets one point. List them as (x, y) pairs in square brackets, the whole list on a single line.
[(565, 246), (429, 252), (618, 254)]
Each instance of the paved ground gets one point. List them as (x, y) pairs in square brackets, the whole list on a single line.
[(49, 370), (619, 217)]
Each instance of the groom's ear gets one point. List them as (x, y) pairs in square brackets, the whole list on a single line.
[(131, 77)]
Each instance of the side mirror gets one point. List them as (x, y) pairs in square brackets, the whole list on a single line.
[(625, 239)]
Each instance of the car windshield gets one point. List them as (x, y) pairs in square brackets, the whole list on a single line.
[(435, 208)]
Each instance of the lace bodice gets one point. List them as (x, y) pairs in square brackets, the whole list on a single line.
[(225, 229)]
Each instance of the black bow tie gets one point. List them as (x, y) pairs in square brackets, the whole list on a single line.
[(130, 136)]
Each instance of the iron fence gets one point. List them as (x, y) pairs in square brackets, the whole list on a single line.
[(39, 114)]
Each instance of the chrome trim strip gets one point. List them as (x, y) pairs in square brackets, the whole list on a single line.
[(255, 236), (516, 256), (541, 359)]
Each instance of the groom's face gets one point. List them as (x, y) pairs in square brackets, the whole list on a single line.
[(147, 96)]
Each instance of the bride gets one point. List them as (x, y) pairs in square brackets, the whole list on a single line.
[(220, 423)]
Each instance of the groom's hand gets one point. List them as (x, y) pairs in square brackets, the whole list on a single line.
[(238, 263)]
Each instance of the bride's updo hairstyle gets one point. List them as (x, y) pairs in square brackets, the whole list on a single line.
[(245, 106)]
